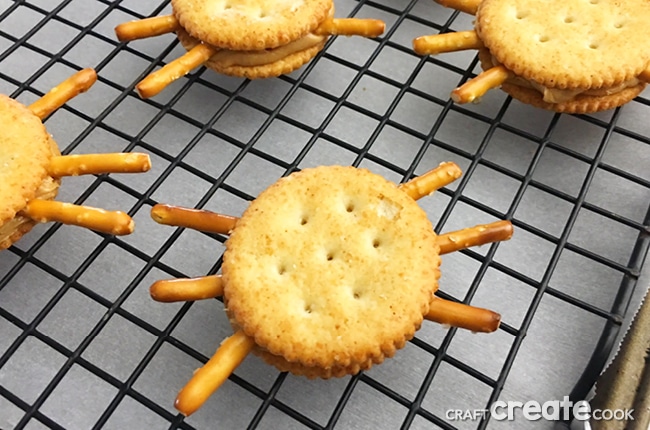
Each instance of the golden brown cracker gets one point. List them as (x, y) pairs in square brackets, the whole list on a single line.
[(250, 24), (568, 44), (331, 267), (24, 157), (278, 66), (26, 151), (313, 372)]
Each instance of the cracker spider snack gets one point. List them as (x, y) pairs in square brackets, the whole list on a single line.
[(32, 168), (574, 56), (328, 271), (250, 38)]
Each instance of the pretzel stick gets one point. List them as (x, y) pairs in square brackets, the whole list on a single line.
[(432, 180), (645, 76), (474, 236), (95, 164), (117, 223), (148, 27), (460, 315), (467, 6), (475, 88), (208, 379), (176, 290), (158, 80), (351, 27), (66, 90), (197, 219), (447, 42)]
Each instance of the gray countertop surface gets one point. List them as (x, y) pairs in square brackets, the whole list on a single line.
[(81, 342)]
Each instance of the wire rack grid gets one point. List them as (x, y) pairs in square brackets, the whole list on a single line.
[(83, 346)]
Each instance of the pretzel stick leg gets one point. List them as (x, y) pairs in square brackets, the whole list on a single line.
[(95, 164), (176, 290), (66, 90), (197, 219), (474, 236), (467, 6), (460, 315), (475, 88), (432, 180), (158, 80), (147, 27), (117, 223), (351, 27), (447, 42), (208, 379), (645, 76)]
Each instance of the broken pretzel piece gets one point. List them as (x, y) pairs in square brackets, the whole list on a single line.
[(475, 88), (116, 222), (176, 290), (96, 164), (197, 219), (148, 27), (161, 78), (206, 380), (467, 6), (454, 314), (351, 27), (447, 42), (432, 180), (62, 93)]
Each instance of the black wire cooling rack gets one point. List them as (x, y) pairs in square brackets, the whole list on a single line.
[(83, 346)]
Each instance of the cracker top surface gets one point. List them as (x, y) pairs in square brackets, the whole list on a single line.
[(250, 24), (331, 266), (568, 43), (25, 153)]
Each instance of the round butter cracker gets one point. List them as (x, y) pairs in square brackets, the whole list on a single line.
[(24, 156), (567, 44), (250, 24), (329, 270)]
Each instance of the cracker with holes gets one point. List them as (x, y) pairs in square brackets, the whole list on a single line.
[(329, 271), (250, 38), (337, 252), (574, 56), (32, 168)]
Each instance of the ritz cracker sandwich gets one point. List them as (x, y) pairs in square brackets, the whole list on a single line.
[(573, 56), (253, 39), (328, 272)]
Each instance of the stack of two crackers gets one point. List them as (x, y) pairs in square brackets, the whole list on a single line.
[(328, 272), (251, 39), (574, 56)]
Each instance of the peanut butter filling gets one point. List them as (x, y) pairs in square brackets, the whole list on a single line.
[(555, 95), (259, 58)]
